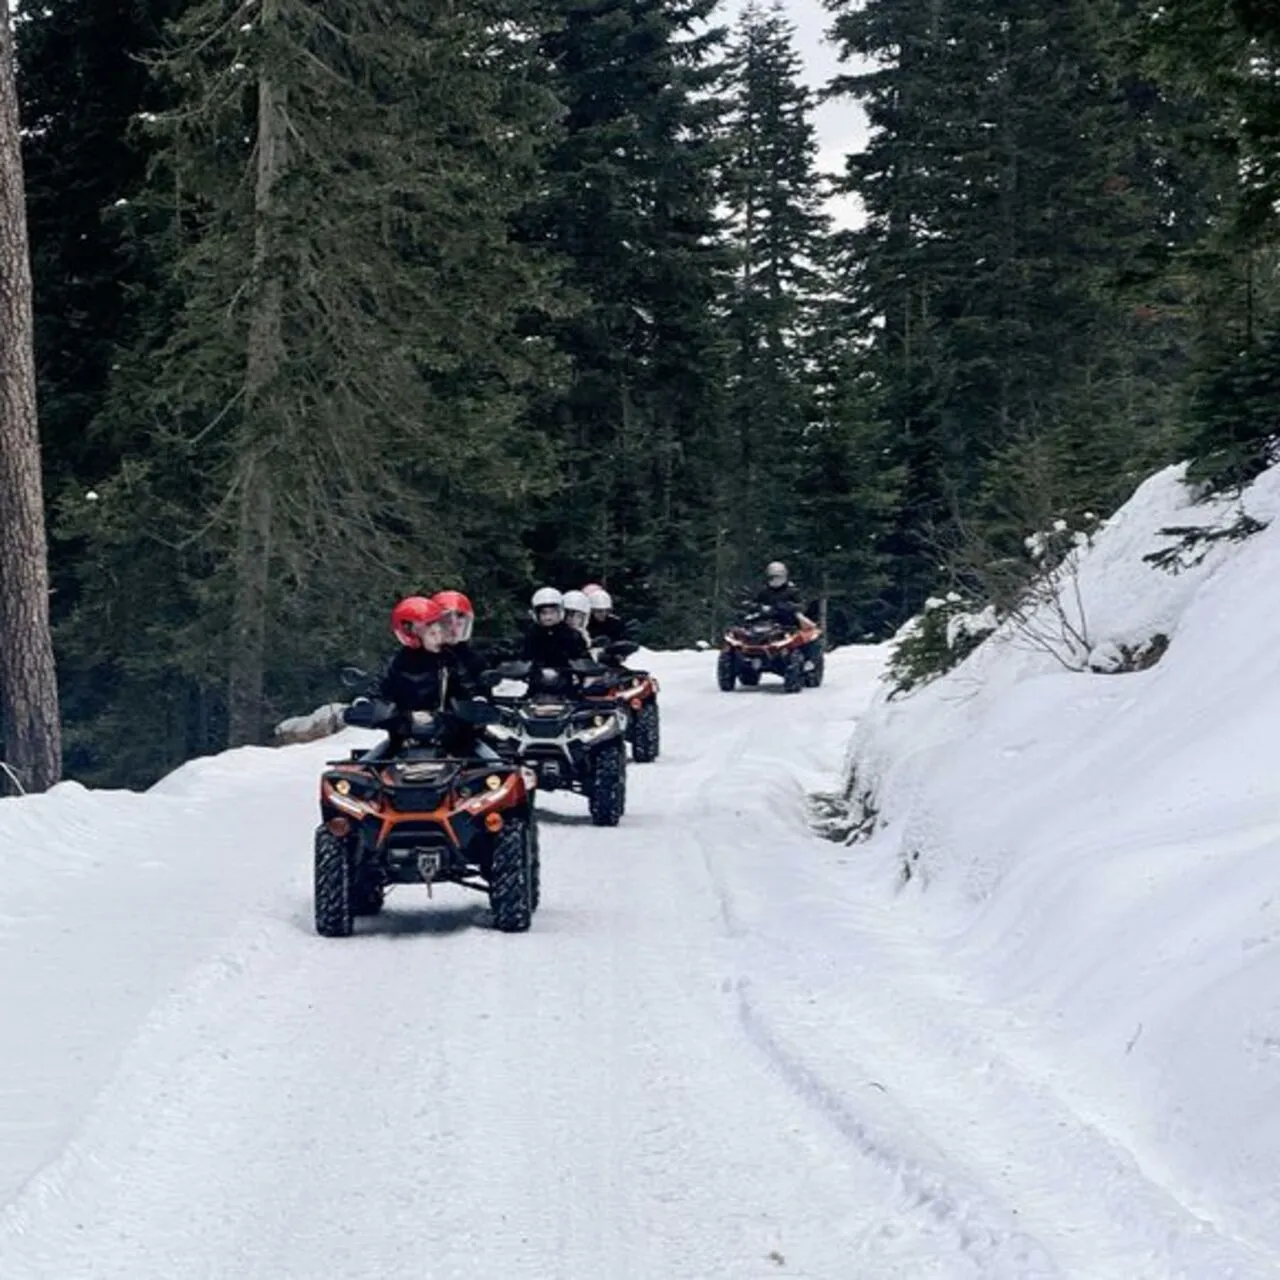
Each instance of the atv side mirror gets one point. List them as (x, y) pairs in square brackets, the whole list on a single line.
[(476, 711), (353, 677)]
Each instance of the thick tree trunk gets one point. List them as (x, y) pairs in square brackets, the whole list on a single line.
[(28, 681), (252, 566)]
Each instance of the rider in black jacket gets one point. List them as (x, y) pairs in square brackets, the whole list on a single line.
[(605, 625), (550, 641)]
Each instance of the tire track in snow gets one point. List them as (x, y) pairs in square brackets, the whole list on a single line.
[(996, 1247), (960, 1185)]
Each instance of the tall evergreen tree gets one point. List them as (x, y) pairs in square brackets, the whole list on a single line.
[(1004, 212), (630, 207), (330, 422), (777, 229), (1220, 62), (83, 81)]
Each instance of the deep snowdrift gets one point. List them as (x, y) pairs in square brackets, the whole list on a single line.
[(1100, 854)]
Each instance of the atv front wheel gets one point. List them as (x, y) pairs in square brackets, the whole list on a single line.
[(793, 675), (608, 797), (511, 878), (813, 677), (535, 877), (648, 736), (725, 673), (332, 887)]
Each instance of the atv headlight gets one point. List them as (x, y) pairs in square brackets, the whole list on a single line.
[(600, 727)]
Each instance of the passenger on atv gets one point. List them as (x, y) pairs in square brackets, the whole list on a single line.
[(606, 627)]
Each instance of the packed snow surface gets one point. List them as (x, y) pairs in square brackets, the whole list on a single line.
[(727, 1048)]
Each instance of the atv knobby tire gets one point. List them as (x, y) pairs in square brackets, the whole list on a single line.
[(725, 673), (511, 878), (332, 887), (535, 890), (608, 798), (646, 740), (813, 678), (793, 676)]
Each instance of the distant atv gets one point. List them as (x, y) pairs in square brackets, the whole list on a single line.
[(423, 817), (761, 643), (636, 693), (571, 741)]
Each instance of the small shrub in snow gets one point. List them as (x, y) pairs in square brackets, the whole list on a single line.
[(940, 638), (847, 817)]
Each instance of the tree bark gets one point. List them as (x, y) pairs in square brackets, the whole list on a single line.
[(252, 565), (28, 678)]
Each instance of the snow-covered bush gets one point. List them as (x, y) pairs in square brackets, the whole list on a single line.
[(935, 641)]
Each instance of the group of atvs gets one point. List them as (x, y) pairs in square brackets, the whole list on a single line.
[(423, 812)]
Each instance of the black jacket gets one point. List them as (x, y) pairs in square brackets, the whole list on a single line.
[(555, 646), (785, 601), (468, 664), (416, 680), (607, 630)]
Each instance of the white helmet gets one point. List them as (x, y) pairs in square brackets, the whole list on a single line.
[(547, 598), (576, 602), (601, 600), (775, 569)]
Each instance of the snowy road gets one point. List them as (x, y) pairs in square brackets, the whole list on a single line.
[(715, 1055)]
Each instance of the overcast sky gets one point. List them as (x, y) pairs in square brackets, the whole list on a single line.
[(841, 125)]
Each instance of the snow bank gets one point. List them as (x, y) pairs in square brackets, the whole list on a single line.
[(1101, 852)]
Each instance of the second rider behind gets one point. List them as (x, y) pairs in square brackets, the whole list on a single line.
[(605, 626), (458, 623)]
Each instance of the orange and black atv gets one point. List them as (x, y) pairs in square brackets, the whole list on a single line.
[(420, 816), (636, 693), (763, 643)]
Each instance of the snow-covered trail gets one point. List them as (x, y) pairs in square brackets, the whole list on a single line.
[(710, 1058)]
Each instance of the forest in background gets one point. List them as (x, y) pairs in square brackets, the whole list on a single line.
[(339, 300)]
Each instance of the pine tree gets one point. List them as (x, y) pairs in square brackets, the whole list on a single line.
[(1218, 62), (83, 81), (1008, 212), (778, 232), (332, 420), (630, 206)]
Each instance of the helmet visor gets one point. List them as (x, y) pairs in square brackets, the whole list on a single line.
[(457, 626)]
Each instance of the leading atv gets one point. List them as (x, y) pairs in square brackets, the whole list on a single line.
[(635, 693), (571, 741), (419, 815), (764, 643)]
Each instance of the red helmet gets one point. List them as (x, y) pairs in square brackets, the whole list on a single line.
[(463, 615), (454, 602), (410, 615)]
